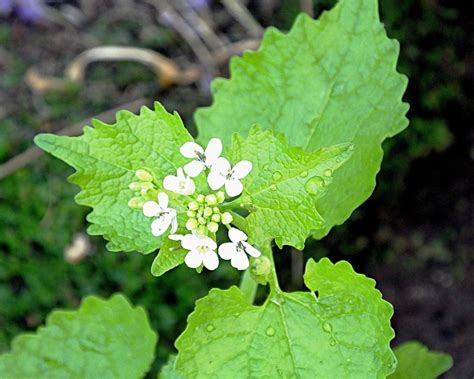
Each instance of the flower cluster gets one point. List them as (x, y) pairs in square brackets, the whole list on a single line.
[(204, 211)]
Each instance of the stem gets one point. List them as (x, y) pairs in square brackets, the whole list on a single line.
[(248, 286), (273, 282)]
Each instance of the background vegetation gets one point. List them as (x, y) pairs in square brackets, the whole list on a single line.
[(414, 236)]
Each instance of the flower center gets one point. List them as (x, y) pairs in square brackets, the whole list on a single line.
[(203, 249), (200, 156)]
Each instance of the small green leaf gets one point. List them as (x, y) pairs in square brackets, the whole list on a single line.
[(284, 185), (343, 332), (102, 339), (106, 158), (415, 361), (326, 82), (170, 256)]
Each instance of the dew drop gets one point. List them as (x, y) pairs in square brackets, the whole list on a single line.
[(314, 185), (348, 360), (333, 342), (273, 187), (327, 172), (210, 328), (270, 332), (304, 174), (277, 175), (266, 166), (327, 327)]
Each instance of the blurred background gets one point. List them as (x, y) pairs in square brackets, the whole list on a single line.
[(414, 236)]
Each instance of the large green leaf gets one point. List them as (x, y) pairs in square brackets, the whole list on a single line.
[(106, 158), (284, 185), (342, 332), (102, 339), (415, 361), (326, 82)]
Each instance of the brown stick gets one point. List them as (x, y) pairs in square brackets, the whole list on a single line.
[(32, 153)]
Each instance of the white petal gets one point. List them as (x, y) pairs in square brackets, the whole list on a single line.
[(233, 187), (189, 187), (189, 149), (193, 259), (194, 168), (236, 235), (171, 183), (250, 250), (176, 237), (189, 241), (227, 250), (159, 226), (211, 261), (151, 209), (163, 200), (206, 241), (221, 165), (213, 150), (174, 225), (240, 261), (180, 173), (242, 169), (215, 180)]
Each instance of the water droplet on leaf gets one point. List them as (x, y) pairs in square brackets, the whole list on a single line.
[(327, 327), (270, 331), (333, 342), (273, 187), (314, 185), (277, 175), (328, 172), (304, 174), (210, 328)]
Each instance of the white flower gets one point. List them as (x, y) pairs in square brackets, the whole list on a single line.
[(203, 159), (201, 250), (223, 174), (238, 249), (181, 184), (165, 216)]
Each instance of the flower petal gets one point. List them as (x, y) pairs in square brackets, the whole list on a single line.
[(193, 168), (180, 173), (227, 250), (215, 180), (174, 225), (240, 261), (250, 250), (211, 261), (236, 235), (176, 237), (151, 209), (163, 200), (189, 149), (193, 259), (159, 226), (221, 165), (233, 187), (242, 169), (189, 187), (213, 150), (189, 242), (171, 183)]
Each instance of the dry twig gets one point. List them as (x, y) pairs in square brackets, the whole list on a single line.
[(244, 17)]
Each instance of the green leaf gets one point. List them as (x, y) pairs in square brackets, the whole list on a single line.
[(326, 82), (102, 339), (170, 256), (169, 370), (343, 332), (106, 158), (415, 361), (284, 185)]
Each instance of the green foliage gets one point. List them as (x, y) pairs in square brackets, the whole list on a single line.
[(285, 183), (342, 87), (415, 361), (342, 332), (103, 338), (106, 158)]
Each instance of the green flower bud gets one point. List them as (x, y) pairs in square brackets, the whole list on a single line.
[(211, 199), (144, 175), (202, 230), (207, 212), (193, 206), (212, 227), (201, 220), (216, 217), (226, 218), (136, 203), (216, 210), (135, 186), (191, 214), (220, 197), (201, 198), (191, 224), (149, 194)]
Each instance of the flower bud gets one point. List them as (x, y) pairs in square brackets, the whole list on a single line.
[(191, 224), (191, 214), (201, 198), (136, 203), (193, 206), (220, 197), (211, 199), (207, 212), (216, 210), (202, 230), (226, 218), (216, 217), (144, 175), (212, 227), (201, 220), (135, 186)]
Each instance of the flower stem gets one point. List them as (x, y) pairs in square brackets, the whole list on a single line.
[(248, 286), (273, 278)]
